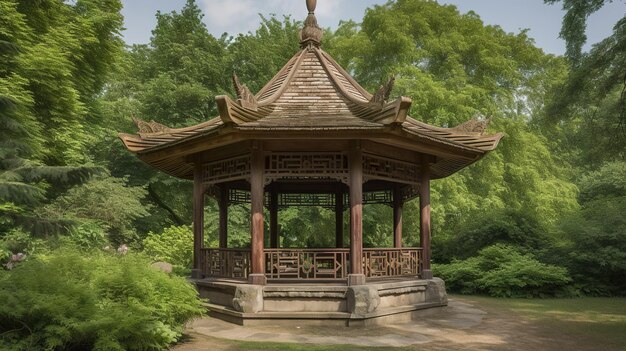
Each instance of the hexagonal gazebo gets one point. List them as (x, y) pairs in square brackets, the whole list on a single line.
[(313, 137)]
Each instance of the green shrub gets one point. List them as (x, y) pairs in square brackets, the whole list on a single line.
[(174, 245), (65, 301), (481, 230), (503, 271), (88, 236), (108, 201)]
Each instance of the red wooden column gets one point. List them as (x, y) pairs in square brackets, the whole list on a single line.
[(397, 217), (339, 219), (355, 160), (257, 168), (223, 208), (425, 219), (274, 219), (198, 222)]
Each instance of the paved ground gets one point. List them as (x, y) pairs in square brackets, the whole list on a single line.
[(457, 315), (455, 323), (465, 324)]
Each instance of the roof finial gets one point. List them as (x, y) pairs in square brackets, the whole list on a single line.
[(311, 33)]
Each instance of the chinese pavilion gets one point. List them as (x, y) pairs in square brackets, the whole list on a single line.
[(313, 137)]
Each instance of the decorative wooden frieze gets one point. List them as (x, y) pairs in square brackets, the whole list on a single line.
[(409, 192), (378, 197), (245, 98), (377, 167), (306, 165), (226, 170), (237, 197), (322, 200)]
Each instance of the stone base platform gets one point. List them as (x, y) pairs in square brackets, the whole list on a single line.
[(376, 302)]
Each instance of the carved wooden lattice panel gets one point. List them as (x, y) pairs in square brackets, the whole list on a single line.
[(323, 200), (306, 263), (226, 263), (297, 165), (236, 196), (376, 167), (226, 170), (391, 262)]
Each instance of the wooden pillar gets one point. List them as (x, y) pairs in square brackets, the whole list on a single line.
[(274, 219), (425, 219), (257, 165), (223, 208), (198, 221), (398, 203), (339, 219), (355, 160)]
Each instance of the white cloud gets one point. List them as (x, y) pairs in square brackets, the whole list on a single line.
[(241, 16)]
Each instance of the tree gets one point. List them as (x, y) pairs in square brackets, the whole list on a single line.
[(591, 104), (54, 57), (455, 67)]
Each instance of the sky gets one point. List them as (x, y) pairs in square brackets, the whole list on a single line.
[(241, 16)]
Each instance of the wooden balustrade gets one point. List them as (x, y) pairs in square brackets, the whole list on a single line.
[(226, 263), (394, 262), (311, 264), (306, 263)]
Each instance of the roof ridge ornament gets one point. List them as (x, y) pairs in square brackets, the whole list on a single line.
[(311, 34), (382, 95), (245, 98), (151, 128), (478, 124)]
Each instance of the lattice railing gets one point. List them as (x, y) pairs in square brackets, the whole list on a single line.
[(391, 262), (311, 264), (226, 263), (306, 263)]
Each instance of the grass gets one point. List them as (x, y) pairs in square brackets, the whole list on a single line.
[(599, 320)]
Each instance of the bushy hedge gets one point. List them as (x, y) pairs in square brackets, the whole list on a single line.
[(174, 245), (502, 271), (66, 301)]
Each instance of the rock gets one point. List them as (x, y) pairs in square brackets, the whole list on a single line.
[(248, 298), (362, 299), (163, 266), (436, 291)]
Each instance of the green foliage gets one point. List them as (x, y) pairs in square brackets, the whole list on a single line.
[(66, 301), (595, 237), (503, 271), (482, 229), (107, 201), (455, 67), (53, 60), (590, 105), (89, 236), (257, 57), (575, 23), (608, 181), (174, 245)]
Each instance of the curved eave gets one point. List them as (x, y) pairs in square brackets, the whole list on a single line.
[(472, 141), (155, 141)]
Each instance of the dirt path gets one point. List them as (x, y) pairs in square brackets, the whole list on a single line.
[(463, 325)]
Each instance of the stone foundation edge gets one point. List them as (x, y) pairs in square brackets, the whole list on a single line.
[(373, 303)]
